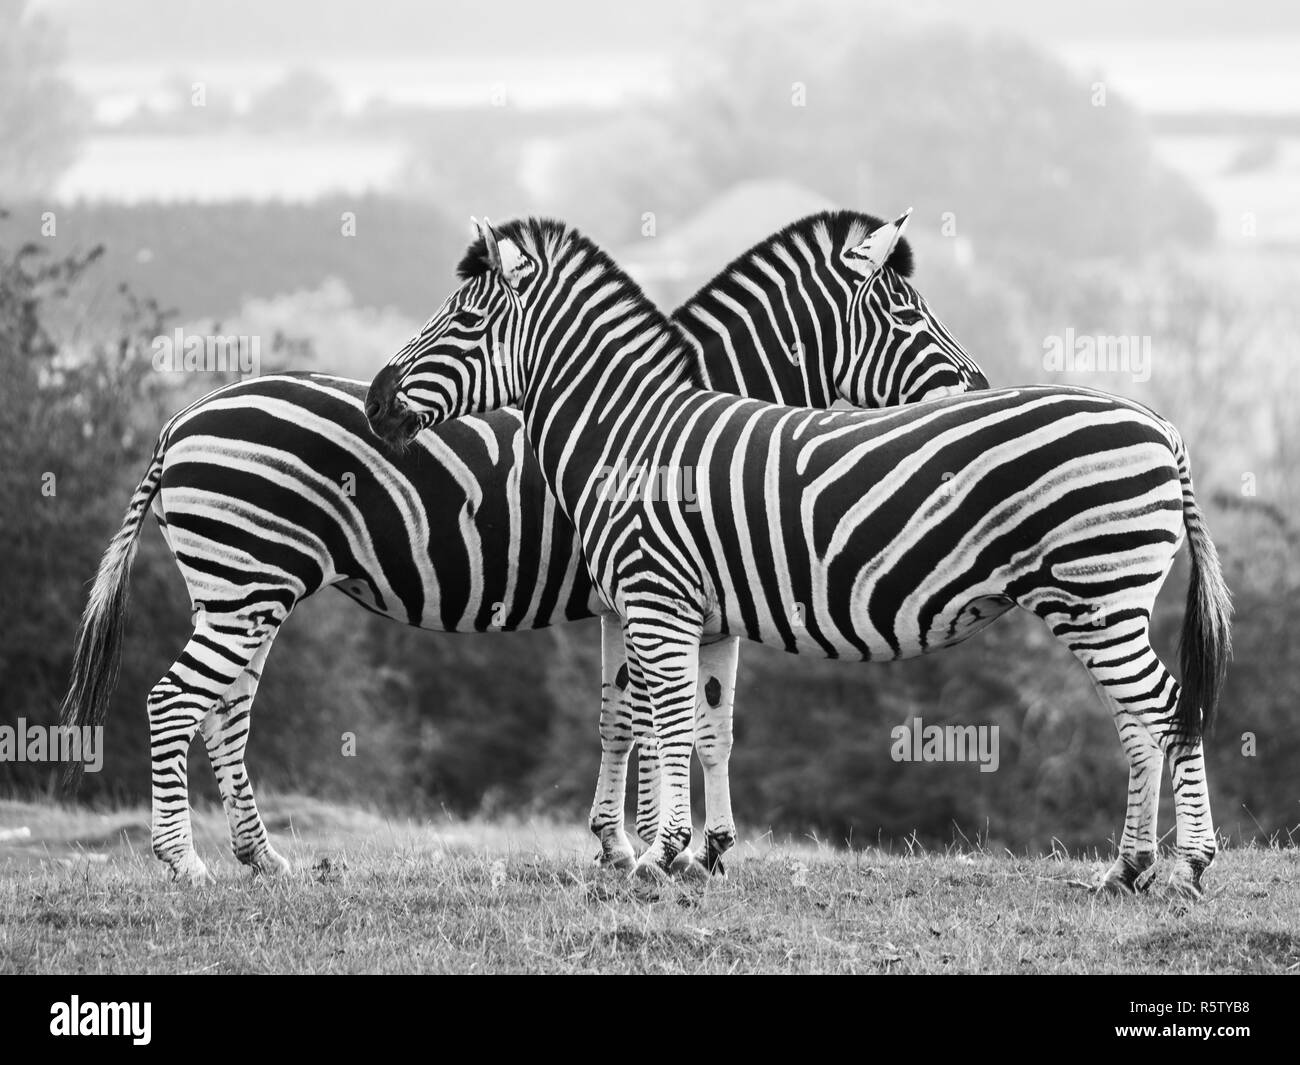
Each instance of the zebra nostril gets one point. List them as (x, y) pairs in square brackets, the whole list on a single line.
[(379, 397)]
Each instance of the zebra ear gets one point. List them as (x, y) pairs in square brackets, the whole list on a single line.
[(871, 255), (490, 243)]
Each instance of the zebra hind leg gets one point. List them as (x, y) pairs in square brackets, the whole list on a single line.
[(216, 655), (1143, 696), (225, 733), (1196, 845), (1137, 848)]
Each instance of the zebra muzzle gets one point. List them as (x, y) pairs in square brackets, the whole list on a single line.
[(390, 418)]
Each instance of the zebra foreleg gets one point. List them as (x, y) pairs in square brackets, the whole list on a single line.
[(218, 652), (607, 813), (713, 739), (647, 764), (663, 664), (225, 732)]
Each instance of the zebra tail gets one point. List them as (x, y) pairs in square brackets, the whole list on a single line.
[(98, 653), (1206, 641)]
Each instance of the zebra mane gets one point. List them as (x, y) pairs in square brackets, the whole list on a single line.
[(551, 240), (844, 228)]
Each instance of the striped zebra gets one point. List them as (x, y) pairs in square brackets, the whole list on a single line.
[(871, 534), (270, 489)]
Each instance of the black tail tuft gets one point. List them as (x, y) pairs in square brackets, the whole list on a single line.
[(1206, 642), (98, 654)]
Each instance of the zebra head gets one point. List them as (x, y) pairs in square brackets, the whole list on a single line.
[(898, 350), (461, 362)]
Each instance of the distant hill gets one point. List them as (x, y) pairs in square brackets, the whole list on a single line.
[(203, 259)]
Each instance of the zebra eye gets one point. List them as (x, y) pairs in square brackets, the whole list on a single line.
[(908, 317)]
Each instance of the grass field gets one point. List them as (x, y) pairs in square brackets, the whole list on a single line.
[(82, 894)]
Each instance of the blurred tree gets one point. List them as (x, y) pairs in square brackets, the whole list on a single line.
[(40, 126), (607, 178), (80, 409), (182, 105), (469, 162), (302, 100), (473, 711), (67, 425), (987, 136)]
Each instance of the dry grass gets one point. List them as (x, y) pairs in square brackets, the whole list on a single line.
[(369, 894)]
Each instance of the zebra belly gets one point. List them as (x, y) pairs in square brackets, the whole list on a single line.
[(906, 637), (952, 627)]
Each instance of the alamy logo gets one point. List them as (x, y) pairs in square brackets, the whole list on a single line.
[(919, 742), (183, 352), (102, 1018), (22, 742), (1085, 353), (652, 484)]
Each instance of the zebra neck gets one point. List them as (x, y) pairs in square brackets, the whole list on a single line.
[(772, 338), (588, 402)]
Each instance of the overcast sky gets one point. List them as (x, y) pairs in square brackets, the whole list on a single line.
[(174, 30)]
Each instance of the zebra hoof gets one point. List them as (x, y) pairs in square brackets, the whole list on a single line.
[(1185, 882), (1126, 876), (271, 863), (688, 867), (1115, 886), (619, 863), (648, 871), (711, 866), (190, 871)]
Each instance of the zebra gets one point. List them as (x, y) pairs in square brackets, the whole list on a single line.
[(271, 488), (896, 532)]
